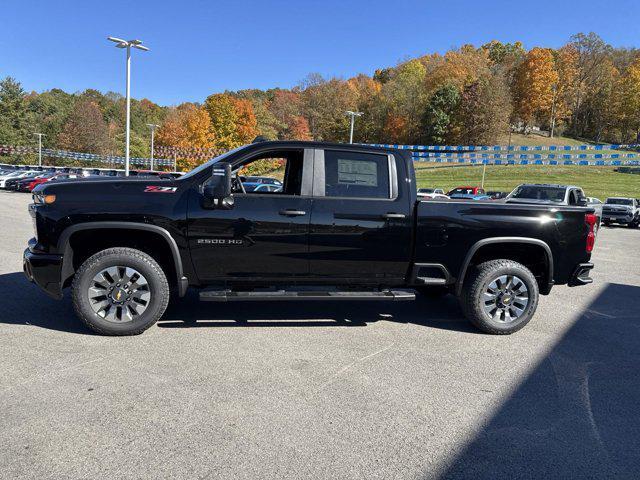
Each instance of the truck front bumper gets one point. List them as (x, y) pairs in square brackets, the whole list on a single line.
[(44, 270), (621, 218)]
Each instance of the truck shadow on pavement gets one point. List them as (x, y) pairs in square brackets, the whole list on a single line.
[(576, 413), (27, 305), (189, 312)]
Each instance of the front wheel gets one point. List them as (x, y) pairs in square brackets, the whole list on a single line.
[(120, 291), (500, 296)]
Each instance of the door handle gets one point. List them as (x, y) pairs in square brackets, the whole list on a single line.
[(292, 213), (394, 215)]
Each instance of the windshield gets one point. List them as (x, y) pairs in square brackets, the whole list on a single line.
[(206, 165), (619, 201), (536, 192)]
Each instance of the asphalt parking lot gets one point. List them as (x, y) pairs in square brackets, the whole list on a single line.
[(334, 390)]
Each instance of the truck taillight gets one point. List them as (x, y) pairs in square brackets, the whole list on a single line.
[(590, 219)]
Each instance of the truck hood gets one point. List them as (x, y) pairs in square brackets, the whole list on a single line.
[(103, 189)]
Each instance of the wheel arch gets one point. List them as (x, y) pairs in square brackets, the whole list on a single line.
[(493, 242), (65, 247)]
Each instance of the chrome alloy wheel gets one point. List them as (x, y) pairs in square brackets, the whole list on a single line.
[(119, 294), (506, 299)]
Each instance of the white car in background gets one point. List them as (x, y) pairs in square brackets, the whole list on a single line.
[(433, 196), (426, 192), (14, 174)]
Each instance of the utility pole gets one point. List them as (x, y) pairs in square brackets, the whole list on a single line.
[(353, 116), (128, 44), (553, 111), (153, 130), (40, 135)]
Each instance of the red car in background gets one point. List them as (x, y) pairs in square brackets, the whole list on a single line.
[(30, 184)]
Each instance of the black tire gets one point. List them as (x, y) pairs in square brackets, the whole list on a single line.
[(477, 283), (436, 291), (157, 286)]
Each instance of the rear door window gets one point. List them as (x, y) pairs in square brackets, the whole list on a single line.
[(356, 175)]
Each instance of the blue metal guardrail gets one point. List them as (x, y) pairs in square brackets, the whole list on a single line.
[(510, 154), (89, 157)]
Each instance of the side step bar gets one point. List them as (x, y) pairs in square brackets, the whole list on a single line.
[(231, 296)]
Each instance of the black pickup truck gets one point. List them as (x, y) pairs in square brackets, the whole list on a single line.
[(345, 224)]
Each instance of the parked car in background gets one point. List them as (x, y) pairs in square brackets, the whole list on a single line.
[(495, 195), (428, 191), (10, 180), (621, 210), (540, 193), (468, 193), (267, 188), (28, 183), (433, 196), (256, 179), (14, 174), (14, 183)]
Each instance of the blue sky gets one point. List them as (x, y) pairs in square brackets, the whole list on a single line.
[(202, 47)]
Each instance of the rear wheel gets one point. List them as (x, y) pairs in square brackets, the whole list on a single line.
[(120, 291), (500, 296)]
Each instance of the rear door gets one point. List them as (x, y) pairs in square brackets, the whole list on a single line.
[(361, 225)]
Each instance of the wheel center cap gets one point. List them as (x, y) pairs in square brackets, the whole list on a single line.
[(506, 299), (118, 295)]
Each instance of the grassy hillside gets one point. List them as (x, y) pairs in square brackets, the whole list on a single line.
[(598, 182)]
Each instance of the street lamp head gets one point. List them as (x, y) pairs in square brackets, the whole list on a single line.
[(120, 43), (354, 114), (116, 40)]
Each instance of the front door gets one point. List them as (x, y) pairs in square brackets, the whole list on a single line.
[(266, 233), (361, 225)]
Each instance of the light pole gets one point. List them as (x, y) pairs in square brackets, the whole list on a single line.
[(128, 44), (40, 135), (353, 116), (153, 127)]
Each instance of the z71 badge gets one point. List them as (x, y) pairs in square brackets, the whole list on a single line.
[(159, 189)]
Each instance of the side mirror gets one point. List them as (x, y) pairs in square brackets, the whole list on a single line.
[(217, 191)]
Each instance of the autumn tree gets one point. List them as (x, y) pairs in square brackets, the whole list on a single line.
[(13, 113), (482, 113), (439, 113), (535, 80), (403, 99), (630, 102), (233, 122), (85, 130), (324, 103)]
